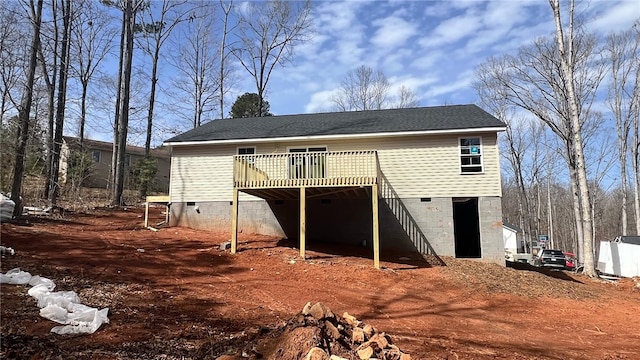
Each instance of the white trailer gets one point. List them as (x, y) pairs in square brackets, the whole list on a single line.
[(620, 257)]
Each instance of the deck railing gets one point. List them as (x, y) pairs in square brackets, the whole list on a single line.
[(320, 169)]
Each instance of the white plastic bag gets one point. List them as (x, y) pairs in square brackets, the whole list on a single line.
[(16, 277), (39, 280), (63, 307), (6, 208), (85, 321)]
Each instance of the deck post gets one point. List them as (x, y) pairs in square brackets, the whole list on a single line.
[(146, 214), (303, 218), (376, 235), (234, 222)]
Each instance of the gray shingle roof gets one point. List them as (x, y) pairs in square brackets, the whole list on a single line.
[(344, 123)]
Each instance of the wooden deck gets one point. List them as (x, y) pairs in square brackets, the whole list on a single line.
[(303, 175), (308, 169)]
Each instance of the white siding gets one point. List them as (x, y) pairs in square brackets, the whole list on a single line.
[(416, 166)]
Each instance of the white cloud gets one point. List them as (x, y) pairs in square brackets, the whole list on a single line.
[(392, 32), (615, 17), (320, 102), (453, 29)]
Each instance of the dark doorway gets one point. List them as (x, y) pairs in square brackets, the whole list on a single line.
[(466, 227)]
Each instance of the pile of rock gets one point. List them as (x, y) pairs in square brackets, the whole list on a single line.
[(345, 335)]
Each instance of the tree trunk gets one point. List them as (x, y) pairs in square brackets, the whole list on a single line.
[(25, 110), (576, 215), (116, 137), (223, 57), (152, 98), (635, 157), (567, 62), (83, 112), (51, 88), (123, 122), (54, 186)]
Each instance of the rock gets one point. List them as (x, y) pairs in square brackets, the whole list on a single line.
[(405, 357), (306, 308), (381, 340), (225, 245), (393, 353), (350, 319), (319, 311), (317, 354), (332, 330), (336, 357), (368, 331), (365, 353), (357, 336)]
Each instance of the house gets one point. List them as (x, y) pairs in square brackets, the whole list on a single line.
[(101, 154), (425, 179)]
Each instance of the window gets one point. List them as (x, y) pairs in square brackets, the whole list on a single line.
[(309, 165), (127, 160), (470, 155), (96, 155), (247, 151)]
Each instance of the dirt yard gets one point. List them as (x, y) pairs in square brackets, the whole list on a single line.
[(173, 294)]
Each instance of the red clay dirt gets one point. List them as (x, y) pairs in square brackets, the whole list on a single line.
[(173, 294)]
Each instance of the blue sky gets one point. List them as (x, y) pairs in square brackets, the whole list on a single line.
[(431, 47)]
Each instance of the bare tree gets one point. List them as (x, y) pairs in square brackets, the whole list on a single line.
[(49, 65), (269, 32), (25, 107), (122, 108), (13, 44), (156, 26), (556, 80), (92, 42), (406, 98), (367, 89), (195, 63), (493, 100), (623, 51), (54, 187), (568, 61), (362, 89), (225, 73)]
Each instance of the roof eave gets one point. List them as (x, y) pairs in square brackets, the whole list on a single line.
[(338, 137)]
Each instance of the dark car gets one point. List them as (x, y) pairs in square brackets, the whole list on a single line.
[(551, 258)]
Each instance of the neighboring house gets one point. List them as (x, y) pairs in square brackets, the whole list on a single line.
[(101, 154), (425, 179)]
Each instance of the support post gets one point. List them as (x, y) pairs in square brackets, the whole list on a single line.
[(146, 214), (376, 235), (234, 222), (303, 220)]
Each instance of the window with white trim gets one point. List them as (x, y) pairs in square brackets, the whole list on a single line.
[(471, 155), (247, 151)]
